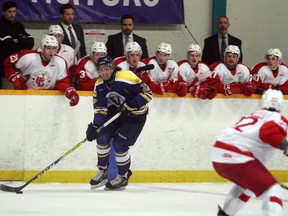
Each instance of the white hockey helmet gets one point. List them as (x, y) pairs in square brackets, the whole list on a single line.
[(165, 48), (232, 49), (133, 47), (274, 52), (55, 29), (272, 99), (49, 40), (194, 48), (98, 47)]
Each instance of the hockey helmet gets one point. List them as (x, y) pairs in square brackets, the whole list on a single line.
[(133, 47), (274, 52), (55, 29), (272, 99), (165, 48), (194, 48), (232, 49), (49, 40), (105, 61), (98, 47)]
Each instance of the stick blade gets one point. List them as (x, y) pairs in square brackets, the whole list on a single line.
[(146, 67), (7, 188)]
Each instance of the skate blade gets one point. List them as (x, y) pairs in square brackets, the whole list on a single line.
[(92, 187), (115, 189)]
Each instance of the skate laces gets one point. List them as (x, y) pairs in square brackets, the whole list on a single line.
[(101, 174), (119, 180)]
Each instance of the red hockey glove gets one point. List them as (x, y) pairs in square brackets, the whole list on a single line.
[(249, 89), (18, 81), (200, 92), (72, 95), (180, 89), (212, 93)]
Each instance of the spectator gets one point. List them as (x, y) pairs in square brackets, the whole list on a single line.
[(164, 77), (30, 69), (272, 73), (115, 91), (131, 60), (215, 45), (88, 73), (235, 77), (241, 153), (197, 74), (73, 33), (13, 36), (116, 43)]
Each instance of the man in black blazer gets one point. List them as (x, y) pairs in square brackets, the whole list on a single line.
[(116, 43), (67, 18), (212, 45)]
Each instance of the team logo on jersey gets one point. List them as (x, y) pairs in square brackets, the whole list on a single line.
[(41, 80)]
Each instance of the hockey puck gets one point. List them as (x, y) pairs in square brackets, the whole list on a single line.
[(19, 192)]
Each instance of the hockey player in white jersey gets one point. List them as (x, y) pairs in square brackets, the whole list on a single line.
[(131, 60), (88, 73), (272, 73), (31, 69), (164, 77), (197, 74), (235, 77), (242, 151)]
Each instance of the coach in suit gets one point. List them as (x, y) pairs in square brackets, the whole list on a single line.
[(116, 43), (72, 32), (215, 45)]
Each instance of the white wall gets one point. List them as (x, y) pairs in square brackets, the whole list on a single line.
[(178, 135)]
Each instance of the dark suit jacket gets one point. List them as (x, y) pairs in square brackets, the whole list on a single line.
[(211, 52), (115, 45), (80, 35)]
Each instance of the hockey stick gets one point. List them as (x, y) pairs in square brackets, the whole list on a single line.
[(283, 186), (18, 189), (76, 50), (145, 68)]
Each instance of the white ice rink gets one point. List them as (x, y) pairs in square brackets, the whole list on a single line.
[(53, 199)]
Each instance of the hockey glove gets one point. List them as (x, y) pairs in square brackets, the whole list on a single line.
[(127, 109), (72, 95), (200, 92), (92, 133), (212, 93), (74, 70), (18, 81), (249, 89), (180, 89)]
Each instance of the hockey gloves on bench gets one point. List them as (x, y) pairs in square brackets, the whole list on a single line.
[(72, 95), (92, 133)]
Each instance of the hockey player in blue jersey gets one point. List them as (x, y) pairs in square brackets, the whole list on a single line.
[(117, 91)]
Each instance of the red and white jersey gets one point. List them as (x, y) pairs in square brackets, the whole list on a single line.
[(254, 136), (169, 73), (88, 74), (240, 74), (124, 65), (263, 74), (65, 52), (38, 73), (188, 74)]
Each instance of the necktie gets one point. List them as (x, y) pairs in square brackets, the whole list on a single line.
[(223, 47), (72, 38), (126, 39)]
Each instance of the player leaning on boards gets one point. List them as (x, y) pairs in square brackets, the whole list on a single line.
[(117, 91), (31, 69), (241, 152)]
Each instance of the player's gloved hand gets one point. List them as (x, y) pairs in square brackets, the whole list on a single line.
[(200, 92), (180, 89), (72, 95), (18, 81), (249, 89), (91, 132), (212, 93)]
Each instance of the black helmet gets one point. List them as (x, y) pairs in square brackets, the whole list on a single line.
[(105, 61)]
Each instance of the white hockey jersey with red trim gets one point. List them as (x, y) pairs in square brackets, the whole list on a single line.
[(254, 136), (37, 73), (169, 73), (124, 65)]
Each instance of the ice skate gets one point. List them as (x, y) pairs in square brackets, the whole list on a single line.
[(100, 179), (119, 183), (221, 212)]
